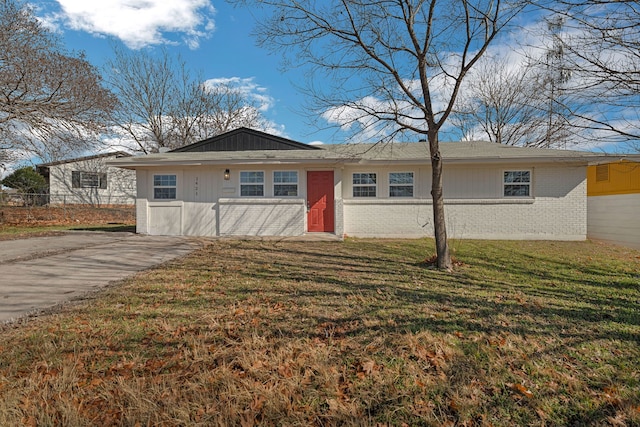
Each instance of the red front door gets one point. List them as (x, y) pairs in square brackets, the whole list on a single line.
[(320, 201)]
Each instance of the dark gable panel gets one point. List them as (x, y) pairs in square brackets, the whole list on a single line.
[(244, 139)]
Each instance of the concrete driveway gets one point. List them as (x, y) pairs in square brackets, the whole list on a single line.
[(42, 272)]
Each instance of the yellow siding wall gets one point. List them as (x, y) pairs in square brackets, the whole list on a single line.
[(613, 178)]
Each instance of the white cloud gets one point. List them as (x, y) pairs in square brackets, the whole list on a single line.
[(248, 87), (140, 23), (513, 51)]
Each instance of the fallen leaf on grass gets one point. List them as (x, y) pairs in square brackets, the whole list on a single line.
[(497, 342), (522, 390), (369, 366), (366, 368), (258, 403)]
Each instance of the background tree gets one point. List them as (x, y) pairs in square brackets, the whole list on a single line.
[(602, 48), (500, 104), (522, 98), (396, 66), (51, 101), (164, 105), (28, 182)]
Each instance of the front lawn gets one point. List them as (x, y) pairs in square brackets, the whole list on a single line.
[(360, 332)]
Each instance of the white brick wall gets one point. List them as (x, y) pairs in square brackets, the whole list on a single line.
[(557, 212), (261, 217), (142, 216)]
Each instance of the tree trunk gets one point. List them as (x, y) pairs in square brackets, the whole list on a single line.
[(440, 231)]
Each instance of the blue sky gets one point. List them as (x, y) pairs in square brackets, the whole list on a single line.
[(215, 38), (211, 36)]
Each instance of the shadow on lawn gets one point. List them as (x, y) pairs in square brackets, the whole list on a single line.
[(552, 308), (123, 228), (541, 300)]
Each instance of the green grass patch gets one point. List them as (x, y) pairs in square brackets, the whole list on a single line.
[(360, 332)]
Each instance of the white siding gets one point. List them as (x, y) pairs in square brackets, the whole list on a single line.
[(615, 219), (121, 184)]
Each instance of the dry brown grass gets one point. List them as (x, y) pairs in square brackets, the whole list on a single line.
[(56, 215), (353, 333)]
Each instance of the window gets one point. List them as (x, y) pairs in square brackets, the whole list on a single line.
[(164, 187), (252, 184), (364, 185), (517, 183), (285, 183), (401, 184), (81, 179)]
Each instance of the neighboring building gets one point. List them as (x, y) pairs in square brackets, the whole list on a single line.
[(613, 203), (229, 186), (88, 180)]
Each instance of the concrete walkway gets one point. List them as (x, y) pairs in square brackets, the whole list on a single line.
[(42, 272)]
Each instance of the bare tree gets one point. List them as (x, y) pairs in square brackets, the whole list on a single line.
[(603, 49), (522, 98), (501, 103), (396, 65), (51, 102), (164, 105)]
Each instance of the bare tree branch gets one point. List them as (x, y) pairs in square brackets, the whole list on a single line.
[(51, 102), (388, 62), (164, 105)]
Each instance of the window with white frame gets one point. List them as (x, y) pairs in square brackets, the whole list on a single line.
[(82, 179), (401, 184), (517, 183), (252, 183), (285, 183), (164, 187), (364, 184)]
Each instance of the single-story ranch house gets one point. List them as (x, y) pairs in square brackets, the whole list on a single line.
[(89, 181), (248, 183)]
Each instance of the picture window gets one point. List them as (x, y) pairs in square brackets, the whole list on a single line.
[(82, 179)]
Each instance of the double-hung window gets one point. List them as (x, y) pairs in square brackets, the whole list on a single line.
[(252, 183), (517, 183), (164, 187), (364, 184), (285, 183), (401, 184)]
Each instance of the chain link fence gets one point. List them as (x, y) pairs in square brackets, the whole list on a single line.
[(31, 209)]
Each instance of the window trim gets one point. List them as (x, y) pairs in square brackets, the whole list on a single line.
[(412, 185), (169, 187), (362, 186), (252, 183), (287, 183), (529, 184), (79, 179)]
